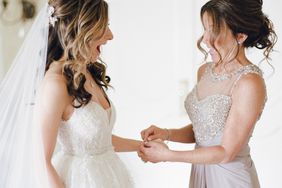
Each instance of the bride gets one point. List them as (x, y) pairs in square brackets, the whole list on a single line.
[(71, 105)]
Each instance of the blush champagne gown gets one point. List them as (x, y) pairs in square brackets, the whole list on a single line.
[(208, 106)]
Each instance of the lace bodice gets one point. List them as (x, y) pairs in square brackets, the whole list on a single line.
[(209, 103), (88, 131)]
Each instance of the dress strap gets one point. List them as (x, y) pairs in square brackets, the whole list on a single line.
[(208, 68), (244, 71)]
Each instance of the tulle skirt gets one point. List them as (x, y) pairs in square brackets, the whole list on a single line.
[(92, 171)]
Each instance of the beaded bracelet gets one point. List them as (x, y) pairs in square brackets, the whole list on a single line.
[(168, 136)]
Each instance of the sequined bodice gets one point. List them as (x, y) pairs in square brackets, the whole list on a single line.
[(209, 113), (88, 131)]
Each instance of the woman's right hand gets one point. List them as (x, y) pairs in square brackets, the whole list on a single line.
[(154, 132)]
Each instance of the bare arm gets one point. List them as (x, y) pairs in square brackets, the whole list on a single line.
[(125, 145), (50, 106), (182, 135), (240, 123)]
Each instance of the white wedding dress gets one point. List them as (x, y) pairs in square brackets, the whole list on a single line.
[(87, 158)]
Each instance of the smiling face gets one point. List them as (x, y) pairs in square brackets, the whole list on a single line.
[(81, 33), (95, 45), (220, 42)]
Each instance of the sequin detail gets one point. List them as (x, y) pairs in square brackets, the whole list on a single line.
[(87, 158), (209, 114), (88, 132), (221, 77)]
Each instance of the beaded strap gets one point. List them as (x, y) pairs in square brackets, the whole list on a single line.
[(246, 70)]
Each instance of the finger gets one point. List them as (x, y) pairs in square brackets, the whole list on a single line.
[(159, 140), (144, 160), (152, 144), (142, 134), (149, 131), (143, 157), (154, 137), (148, 144), (140, 154), (142, 148)]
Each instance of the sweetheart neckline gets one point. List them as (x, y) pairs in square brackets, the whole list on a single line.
[(95, 104), (209, 96)]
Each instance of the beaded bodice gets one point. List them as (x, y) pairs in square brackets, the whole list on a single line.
[(209, 103), (88, 131)]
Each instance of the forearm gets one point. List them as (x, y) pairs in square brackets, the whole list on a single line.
[(182, 135), (54, 178), (124, 144), (207, 155)]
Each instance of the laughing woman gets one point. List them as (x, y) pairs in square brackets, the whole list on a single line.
[(227, 101)]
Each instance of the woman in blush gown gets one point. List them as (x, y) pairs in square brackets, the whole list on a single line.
[(225, 104)]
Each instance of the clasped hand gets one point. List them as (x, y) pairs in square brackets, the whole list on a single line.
[(153, 148)]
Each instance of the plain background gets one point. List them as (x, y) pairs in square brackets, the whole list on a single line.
[(152, 62)]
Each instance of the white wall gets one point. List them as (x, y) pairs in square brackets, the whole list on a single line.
[(152, 62), (146, 75), (267, 138), (11, 35), (153, 55), (1, 59)]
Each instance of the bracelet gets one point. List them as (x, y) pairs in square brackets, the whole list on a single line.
[(168, 135)]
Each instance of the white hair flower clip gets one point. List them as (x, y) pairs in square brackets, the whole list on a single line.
[(52, 18)]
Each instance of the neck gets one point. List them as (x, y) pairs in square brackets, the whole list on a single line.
[(232, 64), (235, 58)]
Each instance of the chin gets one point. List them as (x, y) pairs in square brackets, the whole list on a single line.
[(215, 59)]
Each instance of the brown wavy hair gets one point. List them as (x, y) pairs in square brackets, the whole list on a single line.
[(241, 16), (78, 23)]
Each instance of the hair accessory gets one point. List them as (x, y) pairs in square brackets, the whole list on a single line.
[(52, 19)]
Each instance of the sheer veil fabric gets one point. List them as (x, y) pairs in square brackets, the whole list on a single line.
[(22, 163)]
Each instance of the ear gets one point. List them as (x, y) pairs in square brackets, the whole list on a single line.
[(241, 37)]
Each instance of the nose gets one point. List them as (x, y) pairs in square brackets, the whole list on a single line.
[(205, 38), (109, 35)]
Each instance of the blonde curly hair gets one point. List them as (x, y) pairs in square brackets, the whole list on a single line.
[(78, 23)]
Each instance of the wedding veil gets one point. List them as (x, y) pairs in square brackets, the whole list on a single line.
[(22, 163)]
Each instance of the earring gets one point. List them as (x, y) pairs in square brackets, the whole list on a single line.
[(239, 43)]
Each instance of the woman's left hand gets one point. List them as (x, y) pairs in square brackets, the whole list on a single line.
[(154, 151)]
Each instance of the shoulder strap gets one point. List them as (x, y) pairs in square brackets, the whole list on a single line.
[(205, 70), (208, 68), (244, 71)]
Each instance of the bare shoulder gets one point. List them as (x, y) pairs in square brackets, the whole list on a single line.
[(252, 87), (54, 87), (55, 70), (201, 71), (251, 81)]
